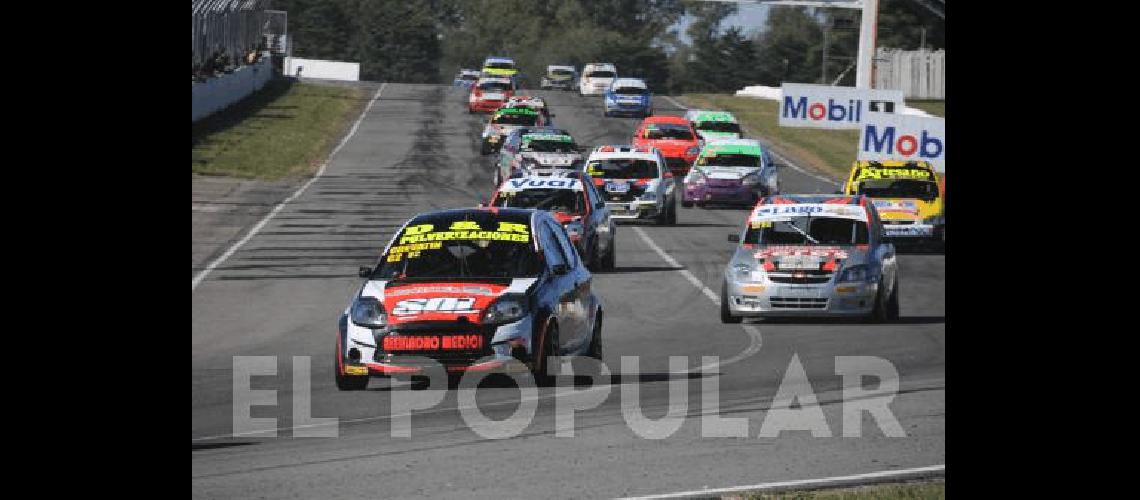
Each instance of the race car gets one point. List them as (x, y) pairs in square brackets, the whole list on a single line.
[(537, 151), (909, 196), (628, 96), (596, 78), (466, 78), (499, 66), (811, 255), (714, 124), (558, 77), (674, 136), (502, 121), (532, 102), (730, 171), (489, 94), (634, 182), (575, 203), (489, 290)]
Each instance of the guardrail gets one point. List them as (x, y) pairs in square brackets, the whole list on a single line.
[(216, 94)]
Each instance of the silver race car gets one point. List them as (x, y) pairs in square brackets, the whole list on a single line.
[(811, 255)]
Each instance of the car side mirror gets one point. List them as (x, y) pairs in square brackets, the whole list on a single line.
[(560, 269), (364, 271), (735, 238)]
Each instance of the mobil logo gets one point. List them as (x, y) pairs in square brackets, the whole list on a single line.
[(888, 140), (842, 110)]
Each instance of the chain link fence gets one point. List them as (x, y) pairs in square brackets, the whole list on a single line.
[(229, 29)]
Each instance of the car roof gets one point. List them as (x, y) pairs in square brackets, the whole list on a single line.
[(666, 119), (734, 146), (498, 59), (494, 79), (609, 151), (515, 111), (600, 65), (705, 115), (559, 66), (629, 82)]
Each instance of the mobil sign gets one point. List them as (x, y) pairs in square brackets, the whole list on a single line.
[(887, 136), (825, 106)]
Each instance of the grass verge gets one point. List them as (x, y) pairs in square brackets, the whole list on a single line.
[(897, 491), (829, 152), (936, 108), (285, 130)]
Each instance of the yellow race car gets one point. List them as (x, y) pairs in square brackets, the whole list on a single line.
[(499, 66), (909, 196)]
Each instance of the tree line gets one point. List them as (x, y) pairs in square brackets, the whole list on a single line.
[(427, 41)]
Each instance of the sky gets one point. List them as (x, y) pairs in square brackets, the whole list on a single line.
[(749, 17)]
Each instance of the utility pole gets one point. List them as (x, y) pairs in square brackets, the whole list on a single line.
[(823, 64)]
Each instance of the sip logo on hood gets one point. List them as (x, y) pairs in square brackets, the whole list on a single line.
[(439, 301)]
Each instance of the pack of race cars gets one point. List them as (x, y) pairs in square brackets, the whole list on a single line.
[(506, 286)]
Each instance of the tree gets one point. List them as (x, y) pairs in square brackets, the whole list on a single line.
[(901, 23), (789, 47)]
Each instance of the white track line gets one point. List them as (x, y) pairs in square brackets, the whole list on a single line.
[(836, 481), (783, 159), (260, 224)]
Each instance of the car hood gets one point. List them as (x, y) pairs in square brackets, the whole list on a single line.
[(444, 300), (671, 147), (727, 173), (891, 209)]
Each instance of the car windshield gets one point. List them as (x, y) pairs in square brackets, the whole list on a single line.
[(667, 131), (631, 91), (561, 73), (600, 74), (806, 230), (494, 86), (548, 146), (526, 119), (622, 168), (500, 65), (469, 77), (719, 127), (899, 188), (457, 248), (554, 200), (730, 160)]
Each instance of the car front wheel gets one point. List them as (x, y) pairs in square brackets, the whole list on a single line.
[(726, 313)]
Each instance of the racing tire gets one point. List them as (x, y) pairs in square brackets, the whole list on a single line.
[(541, 378), (672, 218), (609, 262), (893, 303), (350, 382), (879, 311), (686, 204), (662, 217), (725, 313), (596, 339)]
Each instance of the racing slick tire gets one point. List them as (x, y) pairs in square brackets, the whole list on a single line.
[(893, 303), (611, 257), (596, 339), (349, 382), (725, 313), (541, 378), (672, 217), (881, 313)]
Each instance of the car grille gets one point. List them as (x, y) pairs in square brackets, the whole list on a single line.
[(798, 303), (801, 278), (628, 196)]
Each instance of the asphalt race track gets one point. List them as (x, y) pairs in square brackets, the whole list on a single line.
[(417, 149)]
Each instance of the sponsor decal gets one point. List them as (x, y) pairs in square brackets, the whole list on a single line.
[(543, 182), (355, 370), (886, 136), (466, 230), (825, 106), (893, 173), (782, 213), (453, 305), (432, 343), (776, 251)]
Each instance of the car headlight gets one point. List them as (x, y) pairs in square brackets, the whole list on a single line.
[(693, 150), (368, 312), (505, 309), (860, 272)]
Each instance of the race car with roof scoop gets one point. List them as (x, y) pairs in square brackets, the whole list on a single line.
[(634, 182), (489, 94), (732, 172), (811, 255), (526, 101), (537, 152), (909, 196), (596, 78), (466, 78), (502, 121), (711, 125), (674, 136), (628, 96), (487, 289), (575, 203), (499, 66), (559, 77)]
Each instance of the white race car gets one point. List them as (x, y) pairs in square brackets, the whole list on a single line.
[(634, 182)]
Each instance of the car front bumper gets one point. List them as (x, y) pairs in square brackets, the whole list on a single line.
[(630, 210), (486, 106), (704, 193), (768, 299)]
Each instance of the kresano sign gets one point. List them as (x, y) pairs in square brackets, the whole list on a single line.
[(825, 106), (887, 136)]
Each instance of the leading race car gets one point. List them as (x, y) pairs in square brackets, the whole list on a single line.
[(559, 77), (489, 94), (576, 204), (634, 182), (811, 255), (674, 136), (712, 125), (537, 151), (908, 195), (503, 121), (499, 66), (472, 289), (732, 172), (628, 96)]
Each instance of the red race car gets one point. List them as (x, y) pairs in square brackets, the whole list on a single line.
[(490, 93), (674, 136)]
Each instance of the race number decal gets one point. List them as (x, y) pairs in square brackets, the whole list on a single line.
[(451, 305)]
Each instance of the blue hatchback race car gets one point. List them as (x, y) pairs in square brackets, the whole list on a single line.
[(629, 97)]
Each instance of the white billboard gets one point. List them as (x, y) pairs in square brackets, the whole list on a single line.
[(317, 68), (887, 136), (826, 106)]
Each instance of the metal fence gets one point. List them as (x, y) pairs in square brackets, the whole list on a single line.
[(920, 74), (232, 27)]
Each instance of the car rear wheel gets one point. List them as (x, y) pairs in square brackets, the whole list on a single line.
[(726, 313), (596, 339), (893, 303), (672, 220), (548, 349)]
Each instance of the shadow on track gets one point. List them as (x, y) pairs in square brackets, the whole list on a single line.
[(500, 381), (904, 320)]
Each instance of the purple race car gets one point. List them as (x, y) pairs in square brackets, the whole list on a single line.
[(731, 172)]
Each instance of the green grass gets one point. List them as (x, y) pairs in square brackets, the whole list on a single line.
[(284, 131), (827, 151), (936, 108), (903, 491)]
